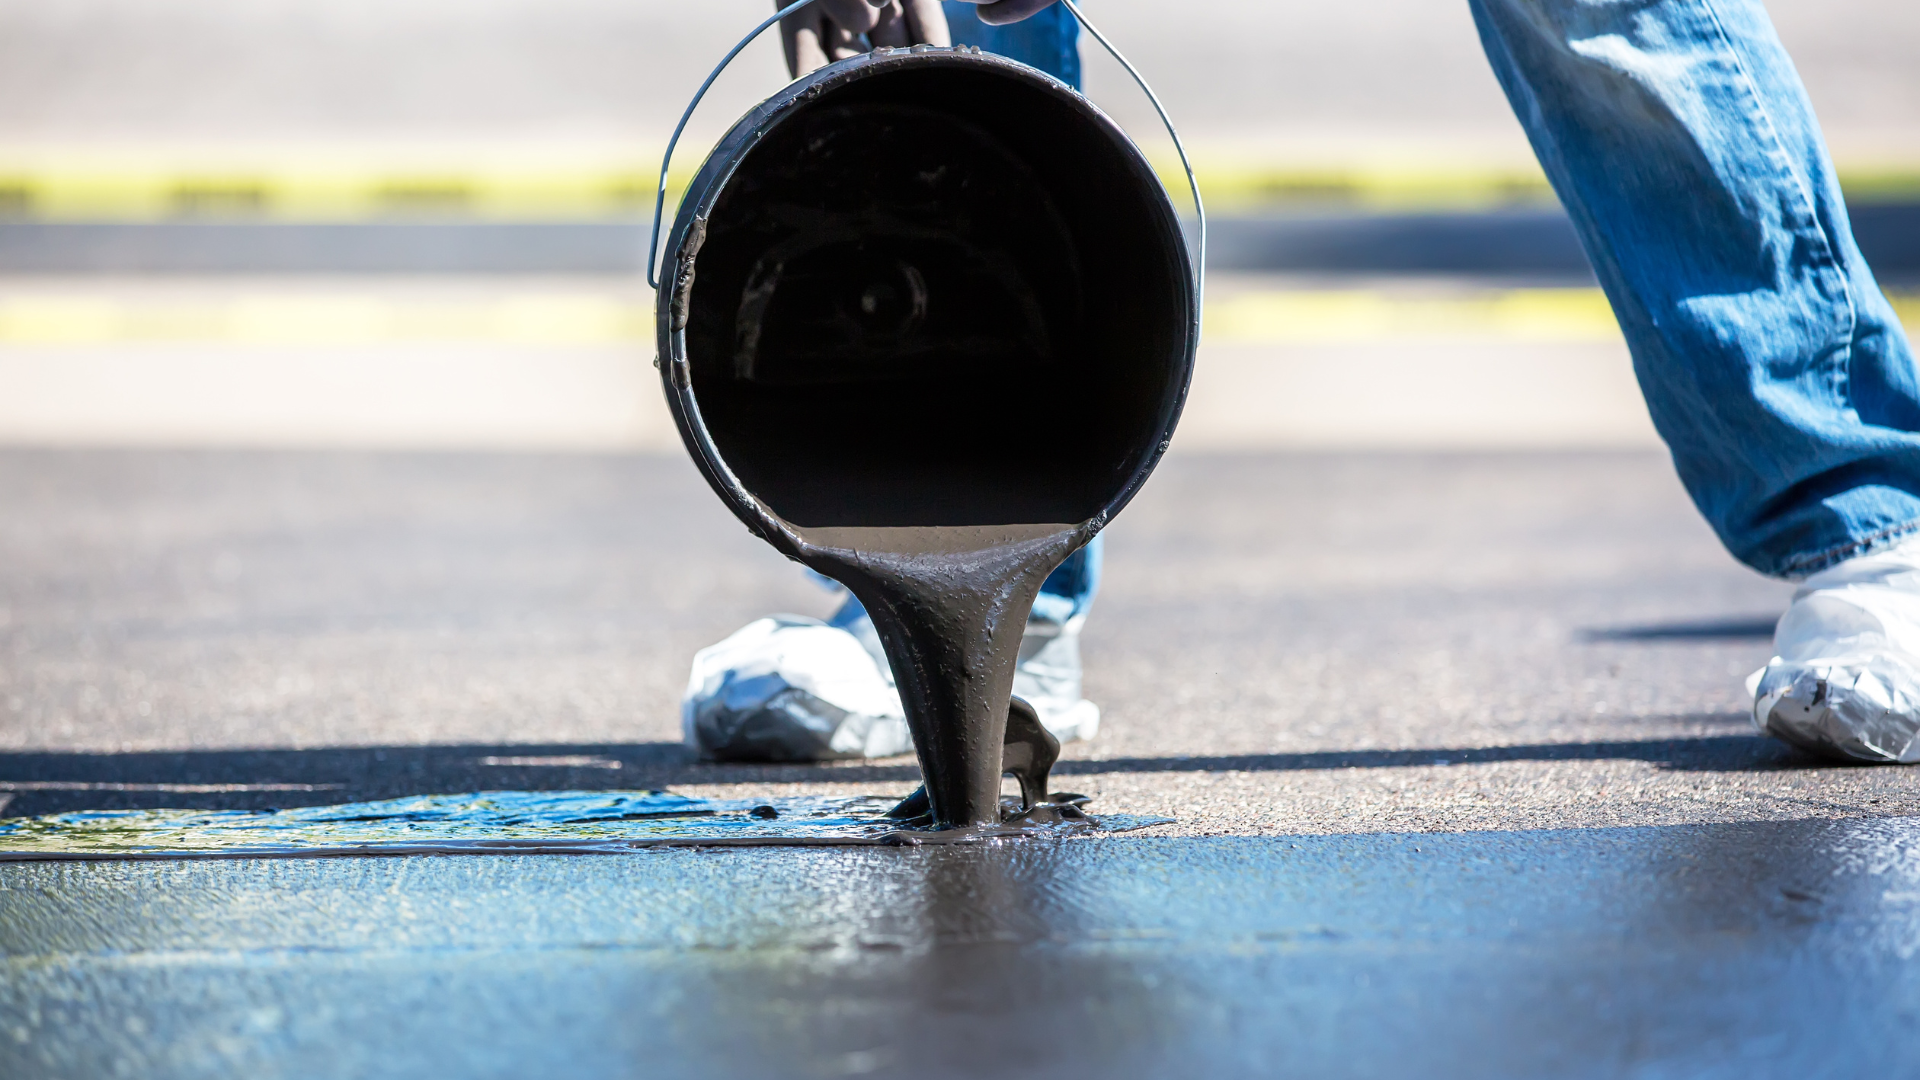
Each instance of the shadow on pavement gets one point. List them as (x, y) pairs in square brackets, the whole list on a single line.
[(48, 783), (1730, 629), (1715, 753)]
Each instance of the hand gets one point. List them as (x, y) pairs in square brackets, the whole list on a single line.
[(829, 30), (1002, 12)]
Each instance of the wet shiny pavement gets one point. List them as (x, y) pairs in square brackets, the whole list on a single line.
[(1746, 949), (1454, 745)]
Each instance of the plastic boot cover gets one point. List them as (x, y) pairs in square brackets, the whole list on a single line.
[(790, 688), (1856, 707), (1846, 678), (1048, 677)]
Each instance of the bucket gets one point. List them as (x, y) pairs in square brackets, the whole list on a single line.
[(929, 303)]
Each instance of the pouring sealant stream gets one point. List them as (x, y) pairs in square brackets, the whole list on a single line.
[(950, 606)]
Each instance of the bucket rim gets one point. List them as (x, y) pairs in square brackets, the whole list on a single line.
[(688, 234)]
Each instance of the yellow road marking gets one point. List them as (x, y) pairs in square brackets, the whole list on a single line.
[(1273, 317), (318, 188), (337, 193), (543, 319)]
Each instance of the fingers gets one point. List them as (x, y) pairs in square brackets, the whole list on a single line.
[(1002, 12), (910, 22), (801, 39), (927, 22), (830, 30), (812, 39), (857, 16), (842, 42), (891, 31)]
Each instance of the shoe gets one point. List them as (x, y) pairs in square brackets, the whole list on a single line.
[(790, 688), (1846, 680), (1047, 677)]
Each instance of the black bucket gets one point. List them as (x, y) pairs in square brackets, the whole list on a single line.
[(927, 289)]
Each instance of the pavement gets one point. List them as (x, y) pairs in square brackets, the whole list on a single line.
[(1285, 644), (1460, 772), (1748, 950)]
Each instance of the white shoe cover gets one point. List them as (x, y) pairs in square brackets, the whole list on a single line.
[(790, 688), (1846, 678), (1048, 678)]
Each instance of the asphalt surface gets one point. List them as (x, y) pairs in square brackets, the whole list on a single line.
[(1284, 644), (1748, 950), (1455, 748)]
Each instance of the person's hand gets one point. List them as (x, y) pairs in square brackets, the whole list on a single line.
[(1002, 12), (829, 30)]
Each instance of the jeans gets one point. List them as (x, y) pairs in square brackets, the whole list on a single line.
[(1682, 143), (1684, 148), (1050, 41)]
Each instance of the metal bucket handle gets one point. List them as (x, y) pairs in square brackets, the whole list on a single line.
[(660, 194)]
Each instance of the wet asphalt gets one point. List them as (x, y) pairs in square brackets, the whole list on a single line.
[(1756, 949), (1454, 744)]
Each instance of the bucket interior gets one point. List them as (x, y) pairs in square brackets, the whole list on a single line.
[(941, 294)]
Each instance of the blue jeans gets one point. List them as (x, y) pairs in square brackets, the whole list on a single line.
[(1050, 41), (1683, 145)]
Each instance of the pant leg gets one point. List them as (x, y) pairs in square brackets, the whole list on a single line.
[(1068, 591), (1049, 40), (1682, 143)]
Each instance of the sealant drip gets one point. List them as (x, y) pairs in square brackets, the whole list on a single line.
[(1027, 755), (950, 605)]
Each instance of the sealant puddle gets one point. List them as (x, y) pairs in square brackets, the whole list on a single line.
[(514, 823)]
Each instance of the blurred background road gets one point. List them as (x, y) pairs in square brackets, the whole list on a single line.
[(1393, 79), (419, 224)]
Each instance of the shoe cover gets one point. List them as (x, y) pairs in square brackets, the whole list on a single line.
[(1046, 675), (1048, 678), (790, 688), (1846, 680)]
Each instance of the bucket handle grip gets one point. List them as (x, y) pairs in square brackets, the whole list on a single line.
[(660, 192)]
